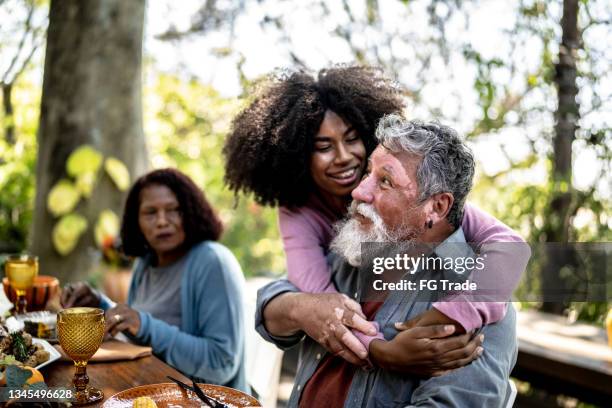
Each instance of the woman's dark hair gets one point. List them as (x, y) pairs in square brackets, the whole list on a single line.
[(200, 222), (268, 150)]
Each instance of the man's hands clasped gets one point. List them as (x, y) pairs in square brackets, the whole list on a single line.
[(327, 318)]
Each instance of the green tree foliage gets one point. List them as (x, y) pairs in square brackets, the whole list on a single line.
[(186, 120), (21, 34), (555, 209), (518, 104), (517, 87), (17, 167), (186, 123)]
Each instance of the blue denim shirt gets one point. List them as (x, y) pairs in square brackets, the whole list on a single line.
[(484, 382)]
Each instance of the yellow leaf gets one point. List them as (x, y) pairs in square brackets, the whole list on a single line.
[(532, 80), (67, 232), (85, 183), (84, 159), (107, 227), (62, 198), (118, 172)]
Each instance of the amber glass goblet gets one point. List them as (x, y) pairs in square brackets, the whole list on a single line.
[(80, 331), (21, 271)]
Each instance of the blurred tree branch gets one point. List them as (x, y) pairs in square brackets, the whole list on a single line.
[(26, 32), (592, 21), (210, 16)]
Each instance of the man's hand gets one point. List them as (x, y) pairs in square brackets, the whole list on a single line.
[(426, 351), (79, 294), (325, 318), (121, 318)]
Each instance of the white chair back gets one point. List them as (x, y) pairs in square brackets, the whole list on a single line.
[(263, 359), (510, 394)]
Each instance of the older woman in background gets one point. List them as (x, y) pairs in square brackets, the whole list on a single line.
[(185, 298)]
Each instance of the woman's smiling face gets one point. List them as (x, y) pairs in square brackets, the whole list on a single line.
[(339, 157)]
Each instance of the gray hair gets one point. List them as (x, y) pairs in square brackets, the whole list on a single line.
[(447, 164)]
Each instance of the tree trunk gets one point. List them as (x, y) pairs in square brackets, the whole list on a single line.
[(567, 115), (7, 107), (91, 95)]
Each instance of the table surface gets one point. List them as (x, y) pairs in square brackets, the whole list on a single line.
[(115, 376), (582, 345), (574, 358)]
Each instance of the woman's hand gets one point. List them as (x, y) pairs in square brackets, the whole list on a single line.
[(122, 318), (431, 317), (79, 294), (426, 351)]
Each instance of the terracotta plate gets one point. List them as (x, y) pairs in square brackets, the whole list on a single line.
[(166, 395)]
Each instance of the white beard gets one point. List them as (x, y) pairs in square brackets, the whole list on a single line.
[(350, 234)]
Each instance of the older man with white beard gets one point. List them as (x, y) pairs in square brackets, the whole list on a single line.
[(351, 234), (399, 200)]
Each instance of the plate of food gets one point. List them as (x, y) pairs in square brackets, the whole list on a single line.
[(20, 348), (169, 394), (53, 353)]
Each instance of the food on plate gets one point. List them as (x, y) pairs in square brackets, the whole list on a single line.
[(40, 324), (143, 402), (18, 346)]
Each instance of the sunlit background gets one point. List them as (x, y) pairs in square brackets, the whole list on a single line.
[(489, 68), (485, 67)]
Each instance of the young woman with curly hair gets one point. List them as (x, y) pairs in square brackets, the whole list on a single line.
[(302, 144), (185, 298)]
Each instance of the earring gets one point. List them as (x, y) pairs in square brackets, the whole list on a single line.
[(430, 224)]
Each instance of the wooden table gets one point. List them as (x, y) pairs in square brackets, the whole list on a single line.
[(112, 377), (569, 359)]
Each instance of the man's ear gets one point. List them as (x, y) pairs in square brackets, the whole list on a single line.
[(440, 206)]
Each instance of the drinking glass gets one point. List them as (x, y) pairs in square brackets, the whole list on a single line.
[(80, 331), (21, 271)]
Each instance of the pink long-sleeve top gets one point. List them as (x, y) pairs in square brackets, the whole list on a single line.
[(307, 233)]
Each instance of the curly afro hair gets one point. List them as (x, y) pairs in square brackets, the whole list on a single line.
[(268, 150), (199, 219)]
